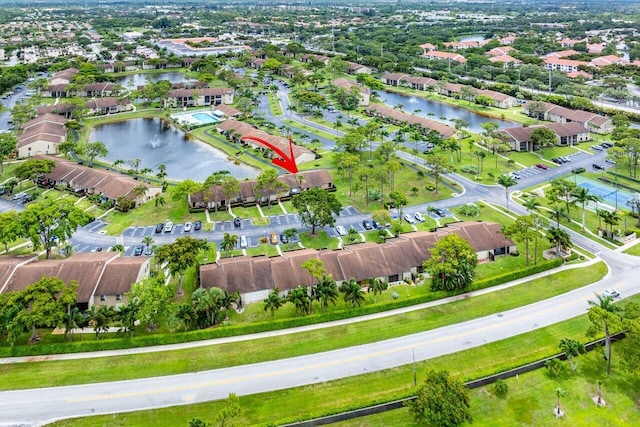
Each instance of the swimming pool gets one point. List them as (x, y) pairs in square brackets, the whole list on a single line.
[(204, 118)]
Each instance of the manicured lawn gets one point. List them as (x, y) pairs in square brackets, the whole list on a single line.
[(45, 374), (319, 241), (266, 249), (274, 104), (363, 390), (251, 213), (149, 214), (633, 250)]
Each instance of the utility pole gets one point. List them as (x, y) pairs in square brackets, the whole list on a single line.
[(333, 40), (549, 80)]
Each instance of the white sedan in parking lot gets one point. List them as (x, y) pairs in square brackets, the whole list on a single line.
[(341, 230), (419, 217)]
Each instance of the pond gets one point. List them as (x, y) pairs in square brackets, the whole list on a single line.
[(438, 111), (154, 143), (132, 81)]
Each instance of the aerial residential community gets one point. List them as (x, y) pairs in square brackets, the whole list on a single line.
[(371, 213)]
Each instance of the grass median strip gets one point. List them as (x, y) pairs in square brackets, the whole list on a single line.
[(58, 373), (313, 401)]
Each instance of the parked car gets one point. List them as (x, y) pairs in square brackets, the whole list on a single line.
[(96, 249), (159, 227), (243, 241), (606, 145), (148, 251), (612, 293), (597, 166), (376, 225), (440, 212), (274, 239), (557, 160), (284, 239), (408, 218), (138, 250), (197, 225), (542, 166), (237, 222), (187, 227), (597, 148), (19, 196), (341, 230), (578, 170), (367, 224), (168, 227), (418, 216)]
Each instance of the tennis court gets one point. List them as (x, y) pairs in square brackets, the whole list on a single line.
[(607, 192)]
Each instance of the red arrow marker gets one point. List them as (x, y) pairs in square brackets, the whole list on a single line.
[(286, 162)]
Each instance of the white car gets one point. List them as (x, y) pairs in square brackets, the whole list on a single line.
[(419, 217), (341, 230), (408, 218), (611, 293), (243, 242), (187, 227), (168, 227)]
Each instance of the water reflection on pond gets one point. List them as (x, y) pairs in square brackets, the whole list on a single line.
[(155, 143), (134, 80), (438, 111)]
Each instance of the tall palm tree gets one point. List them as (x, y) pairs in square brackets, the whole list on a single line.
[(273, 302), (127, 316), (532, 204), (227, 301), (559, 238), (506, 181), (147, 241), (229, 241), (74, 319), (581, 195), (377, 286), (352, 293), (325, 292), (603, 314), (187, 314), (557, 212), (299, 297)]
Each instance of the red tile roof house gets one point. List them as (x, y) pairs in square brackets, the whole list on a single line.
[(248, 193), (567, 134), (393, 261), (234, 129), (42, 135), (437, 55), (554, 113), (103, 277), (347, 84), (198, 97), (391, 115), (506, 61), (85, 180), (414, 82)]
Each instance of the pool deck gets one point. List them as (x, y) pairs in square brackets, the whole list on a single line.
[(189, 119)]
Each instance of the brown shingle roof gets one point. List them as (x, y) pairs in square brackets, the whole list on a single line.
[(119, 275)]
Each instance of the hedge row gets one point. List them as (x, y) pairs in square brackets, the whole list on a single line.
[(625, 177), (245, 329)]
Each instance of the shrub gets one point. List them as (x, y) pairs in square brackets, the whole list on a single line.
[(469, 209), (555, 367), (500, 388), (470, 169)]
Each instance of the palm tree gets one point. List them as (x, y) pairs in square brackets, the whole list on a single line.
[(299, 297), (206, 305), (187, 314), (581, 195), (227, 301), (100, 318), (603, 314), (127, 316), (506, 181), (377, 286), (532, 204), (229, 242), (273, 302), (611, 219), (325, 292), (72, 320), (557, 213), (559, 238), (147, 241), (352, 292)]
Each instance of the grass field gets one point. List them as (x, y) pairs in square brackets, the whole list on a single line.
[(335, 396)]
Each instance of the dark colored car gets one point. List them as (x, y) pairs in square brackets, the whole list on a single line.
[(597, 166), (237, 222), (159, 227), (367, 225), (284, 239), (376, 225), (138, 250), (197, 225), (440, 212)]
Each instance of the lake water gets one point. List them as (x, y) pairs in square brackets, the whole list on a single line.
[(438, 110), (154, 144), (134, 80), (472, 37)]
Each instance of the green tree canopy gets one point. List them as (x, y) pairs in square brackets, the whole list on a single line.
[(452, 264), (316, 208)]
